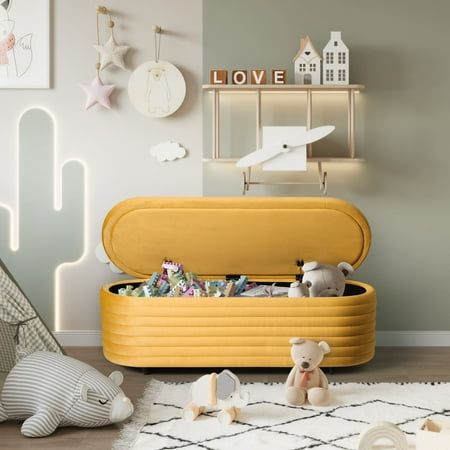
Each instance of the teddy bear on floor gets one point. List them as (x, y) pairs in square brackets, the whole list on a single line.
[(306, 382)]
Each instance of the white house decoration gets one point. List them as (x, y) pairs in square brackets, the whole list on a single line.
[(307, 63), (335, 61)]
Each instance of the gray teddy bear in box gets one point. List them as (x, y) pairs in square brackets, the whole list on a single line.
[(321, 280), (51, 390)]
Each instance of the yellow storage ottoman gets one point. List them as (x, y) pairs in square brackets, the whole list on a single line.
[(259, 237)]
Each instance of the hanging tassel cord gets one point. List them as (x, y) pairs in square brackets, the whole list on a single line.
[(157, 41), (18, 325), (103, 11), (157, 30), (110, 24), (97, 65)]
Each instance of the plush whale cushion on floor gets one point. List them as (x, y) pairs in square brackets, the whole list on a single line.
[(51, 390)]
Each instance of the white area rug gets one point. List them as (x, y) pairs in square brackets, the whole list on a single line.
[(268, 423)]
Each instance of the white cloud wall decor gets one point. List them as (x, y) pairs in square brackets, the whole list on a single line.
[(167, 151)]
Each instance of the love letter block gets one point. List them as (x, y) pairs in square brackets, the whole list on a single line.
[(258, 76), (279, 76), (239, 77), (218, 76)]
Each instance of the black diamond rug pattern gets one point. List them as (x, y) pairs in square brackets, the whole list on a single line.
[(269, 423)]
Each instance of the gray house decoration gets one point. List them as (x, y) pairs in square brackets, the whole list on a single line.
[(335, 61)]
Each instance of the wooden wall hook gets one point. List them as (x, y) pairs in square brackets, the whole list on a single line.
[(102, 10), (157, 29)]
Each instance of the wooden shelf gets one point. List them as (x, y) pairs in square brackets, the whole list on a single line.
[(215, 92), (310, 160), (266, 88)]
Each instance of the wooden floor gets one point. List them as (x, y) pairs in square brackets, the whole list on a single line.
[(389, 365)]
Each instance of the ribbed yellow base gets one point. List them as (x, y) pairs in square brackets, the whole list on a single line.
[(235, 332)]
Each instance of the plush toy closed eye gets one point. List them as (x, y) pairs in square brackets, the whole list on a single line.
[(326, 280), (49, 390)]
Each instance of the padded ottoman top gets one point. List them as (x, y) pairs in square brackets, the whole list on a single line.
[(233, 235)]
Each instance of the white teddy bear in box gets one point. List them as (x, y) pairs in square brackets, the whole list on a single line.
[(321, 280)]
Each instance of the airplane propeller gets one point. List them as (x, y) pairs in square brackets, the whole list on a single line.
[(266, 153)]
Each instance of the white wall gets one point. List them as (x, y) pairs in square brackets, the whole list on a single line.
[(112, 144)]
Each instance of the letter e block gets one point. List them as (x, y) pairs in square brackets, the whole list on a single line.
[(279, 76)]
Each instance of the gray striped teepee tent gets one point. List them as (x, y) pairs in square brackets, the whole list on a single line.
[(21, 328)]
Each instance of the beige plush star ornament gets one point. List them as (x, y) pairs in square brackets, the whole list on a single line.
[(112, 54), (97, 92)]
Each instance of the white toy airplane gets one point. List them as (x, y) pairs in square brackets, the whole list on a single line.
[(301, 139)]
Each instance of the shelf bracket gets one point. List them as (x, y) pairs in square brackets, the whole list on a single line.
[(216, 125), (351, 123), (247, 180), (309, 119), (323, 181), (323, 175), (258, 120)]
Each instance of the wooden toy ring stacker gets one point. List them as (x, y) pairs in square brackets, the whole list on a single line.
[(382, 430)]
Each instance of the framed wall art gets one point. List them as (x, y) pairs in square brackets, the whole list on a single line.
[(24, 44)]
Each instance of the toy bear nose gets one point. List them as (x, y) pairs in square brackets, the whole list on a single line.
[(121, 408), (305, 365)]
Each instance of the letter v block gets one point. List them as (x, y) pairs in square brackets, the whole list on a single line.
[(258, 76)]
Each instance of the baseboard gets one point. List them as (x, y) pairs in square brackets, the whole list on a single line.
[(413, 338), (93, 338), (79, 338)]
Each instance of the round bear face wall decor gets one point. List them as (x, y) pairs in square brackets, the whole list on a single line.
[(157, 89)]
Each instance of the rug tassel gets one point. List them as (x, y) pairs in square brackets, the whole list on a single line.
[(130, 431)]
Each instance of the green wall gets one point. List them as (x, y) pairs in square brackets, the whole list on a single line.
[(47, 238), (400, 50)]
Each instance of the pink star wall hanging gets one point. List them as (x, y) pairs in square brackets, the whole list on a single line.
[(98, 93)]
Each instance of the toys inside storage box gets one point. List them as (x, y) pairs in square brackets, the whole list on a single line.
[(321, 280), (258, 238), (173, 281)]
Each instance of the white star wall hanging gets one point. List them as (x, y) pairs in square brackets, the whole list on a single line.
[(111, 54), (98, 93)]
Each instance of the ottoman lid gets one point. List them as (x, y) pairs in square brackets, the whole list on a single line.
[(216, 236)]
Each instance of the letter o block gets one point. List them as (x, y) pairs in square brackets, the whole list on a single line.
[(239, 77)]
